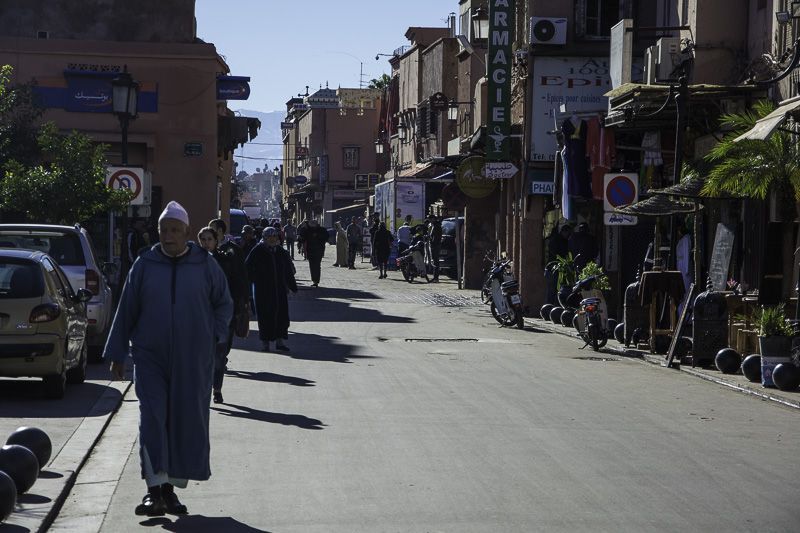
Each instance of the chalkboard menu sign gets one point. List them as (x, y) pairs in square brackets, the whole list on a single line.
[(721, 257)]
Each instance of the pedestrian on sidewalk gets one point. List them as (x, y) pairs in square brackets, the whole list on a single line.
[(404, 235), (375, 224), (301, 241), (232, 264), (272, 272), (381, 248), (435, 242), (341, 245), (354, 232), (315, 238), (174, 309)]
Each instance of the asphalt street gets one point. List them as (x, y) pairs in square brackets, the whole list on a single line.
[(405, 408)]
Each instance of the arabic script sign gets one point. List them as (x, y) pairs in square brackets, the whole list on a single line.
[(88, 95), (501, 21)]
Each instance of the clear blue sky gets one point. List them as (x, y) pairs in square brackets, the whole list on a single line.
[(284, 46)]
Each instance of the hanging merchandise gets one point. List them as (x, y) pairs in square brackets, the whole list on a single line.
[(601, 150), (566, 201), (576, 163)]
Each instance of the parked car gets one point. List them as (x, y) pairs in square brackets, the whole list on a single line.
[(43, 323), (447, 253), (72, 248)]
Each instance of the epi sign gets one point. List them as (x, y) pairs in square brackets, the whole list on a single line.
[(131, 178)]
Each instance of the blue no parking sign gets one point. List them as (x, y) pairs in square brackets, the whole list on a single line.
[(620, 190)]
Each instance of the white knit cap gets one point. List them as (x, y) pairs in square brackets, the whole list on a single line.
[(176, 211)]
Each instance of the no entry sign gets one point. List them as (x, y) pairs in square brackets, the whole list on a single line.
[(620, 190), (127, 178)]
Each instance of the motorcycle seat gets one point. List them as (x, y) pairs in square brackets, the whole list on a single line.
[(511, 284)]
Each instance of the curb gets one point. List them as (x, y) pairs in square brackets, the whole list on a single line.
[(657, 360), (69, 460)]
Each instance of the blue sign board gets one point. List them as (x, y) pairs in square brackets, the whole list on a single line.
[(233, 87), (91, 92)]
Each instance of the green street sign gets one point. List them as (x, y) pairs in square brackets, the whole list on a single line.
[(500, 58)]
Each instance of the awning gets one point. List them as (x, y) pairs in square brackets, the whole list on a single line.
[(688, 188), (341, 210), (766, 126), (428, 170)]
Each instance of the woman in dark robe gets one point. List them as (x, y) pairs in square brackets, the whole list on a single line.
[(271, 270), (382, 247)]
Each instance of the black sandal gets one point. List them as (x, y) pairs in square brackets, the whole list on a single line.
[(153, 503)]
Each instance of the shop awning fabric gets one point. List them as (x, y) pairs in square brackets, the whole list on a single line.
[(354, 207), (658, 206), (766, 126)]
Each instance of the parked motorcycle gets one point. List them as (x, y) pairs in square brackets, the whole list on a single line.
[(412, 262), (506, 302), (591, 313)]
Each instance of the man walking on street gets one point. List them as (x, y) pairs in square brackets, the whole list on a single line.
[(174, 309), (290, 234), (353, 242), (315, 238), (404, 234), (435, 242), (374, 227)]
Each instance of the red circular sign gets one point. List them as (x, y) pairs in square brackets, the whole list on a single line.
[(621, 191), (126, 179)]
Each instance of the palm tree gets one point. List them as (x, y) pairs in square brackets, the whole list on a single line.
[(752, 167), (380, 83)]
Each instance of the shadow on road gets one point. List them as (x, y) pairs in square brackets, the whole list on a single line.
[(308, 293), (242, 411), (270, 378), (202, 524), (308, 347), (338, 311), (24, 398)]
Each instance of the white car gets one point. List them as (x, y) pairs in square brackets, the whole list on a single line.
[(72, 249)]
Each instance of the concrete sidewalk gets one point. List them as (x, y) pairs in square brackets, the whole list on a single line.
[(734, 381)]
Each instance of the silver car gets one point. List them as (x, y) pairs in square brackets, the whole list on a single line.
[(72, 249)]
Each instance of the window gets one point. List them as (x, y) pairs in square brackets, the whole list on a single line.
[(20, 279), (595, 17), (350, 157)]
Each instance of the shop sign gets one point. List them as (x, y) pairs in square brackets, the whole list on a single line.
[(287, 125), (300, 180), (496, 170), (470, 178), (545, 188), (366, 182), (193, 149), (499, 58), (300, 151), (611, 255), (578, 83), (233, 87)]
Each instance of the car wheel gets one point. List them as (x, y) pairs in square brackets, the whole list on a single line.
[(77, 374), (55, 385)]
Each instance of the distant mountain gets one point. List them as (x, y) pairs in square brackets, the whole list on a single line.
[(269, 133)]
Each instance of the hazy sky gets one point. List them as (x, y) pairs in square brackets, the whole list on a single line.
[(284, 46)]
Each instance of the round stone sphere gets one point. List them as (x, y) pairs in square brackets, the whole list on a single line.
[(619, 333), (36, 440), (8, 496), (555, 315), (545, 311), (21, 466), (751, 368), (728, 361), (786, 377)]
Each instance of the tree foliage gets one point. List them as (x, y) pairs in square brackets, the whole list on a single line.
[(380, 83), (48, 176), (752, 167)]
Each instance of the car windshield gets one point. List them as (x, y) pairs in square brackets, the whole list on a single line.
[(20, 279), (65, 248)]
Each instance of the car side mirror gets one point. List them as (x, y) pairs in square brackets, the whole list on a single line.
[(109, 269), (83, 296)]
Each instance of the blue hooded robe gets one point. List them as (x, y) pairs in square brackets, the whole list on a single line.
[(173, 311)]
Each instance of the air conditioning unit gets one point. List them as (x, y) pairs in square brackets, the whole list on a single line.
[(548, 30), (668, 57)]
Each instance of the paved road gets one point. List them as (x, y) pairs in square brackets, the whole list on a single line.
[(393, 414)]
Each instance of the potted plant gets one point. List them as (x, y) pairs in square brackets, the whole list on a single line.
[(601, 282), (774, 340), (564, 269)]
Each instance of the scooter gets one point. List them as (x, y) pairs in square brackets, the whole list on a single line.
[(591, 314), (506, 302), (412, 262)]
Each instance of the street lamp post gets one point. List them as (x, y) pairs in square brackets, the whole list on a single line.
[(125, 93)]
